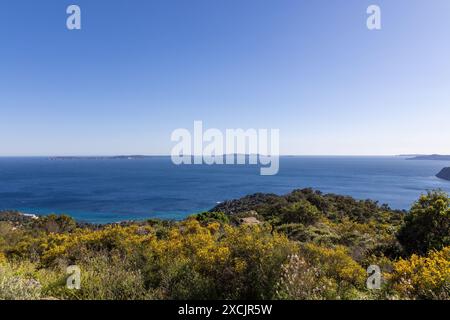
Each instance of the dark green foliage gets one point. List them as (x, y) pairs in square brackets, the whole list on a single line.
[(427, 226), (307, 215), (207, 217), (331, 206), (300, 212)]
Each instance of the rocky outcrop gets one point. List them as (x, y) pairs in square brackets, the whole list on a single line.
[(249, 221), (444, 174)]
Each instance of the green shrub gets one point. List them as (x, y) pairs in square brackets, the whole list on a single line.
[(14, 286), (300, 212), (206, 217), (303, 281), (104, 277), (427, 226)]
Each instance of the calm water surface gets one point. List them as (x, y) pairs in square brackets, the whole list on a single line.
[(114, 190)]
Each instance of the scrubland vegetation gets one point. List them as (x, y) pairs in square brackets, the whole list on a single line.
[(304, 245)]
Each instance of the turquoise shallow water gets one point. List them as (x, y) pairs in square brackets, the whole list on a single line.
[(114, 190)]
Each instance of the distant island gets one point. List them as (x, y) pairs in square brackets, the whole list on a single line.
[(121, 157), (136, 157), (444, 174), (430, 157)]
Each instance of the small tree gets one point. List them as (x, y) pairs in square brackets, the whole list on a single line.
[(427, 226), (300, 212)]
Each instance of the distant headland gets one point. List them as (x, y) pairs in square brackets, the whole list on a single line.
[(136, 157), (428, 157), (444, 174)]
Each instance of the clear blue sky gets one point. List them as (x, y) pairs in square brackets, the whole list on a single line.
[(140, 69)]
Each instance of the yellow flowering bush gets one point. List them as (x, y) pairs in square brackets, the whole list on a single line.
[(237, 261), (213, 255), (423, 277), (336, 262), (2, 258), (337, 265)]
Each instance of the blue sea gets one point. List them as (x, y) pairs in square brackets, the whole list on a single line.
[(108, 190)]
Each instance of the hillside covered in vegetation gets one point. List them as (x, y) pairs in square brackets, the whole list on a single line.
[(304, 245)]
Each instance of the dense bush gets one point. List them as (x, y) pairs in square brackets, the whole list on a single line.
[(427, 226), (423, 277), (17, 286), (206, 217), (305, 245), (302, 281), (300, 212)]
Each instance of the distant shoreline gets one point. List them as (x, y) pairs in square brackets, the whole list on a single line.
[(430, 157), (138, 157), (96, 157)]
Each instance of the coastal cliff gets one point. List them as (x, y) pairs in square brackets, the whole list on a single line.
[(444, 174)]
